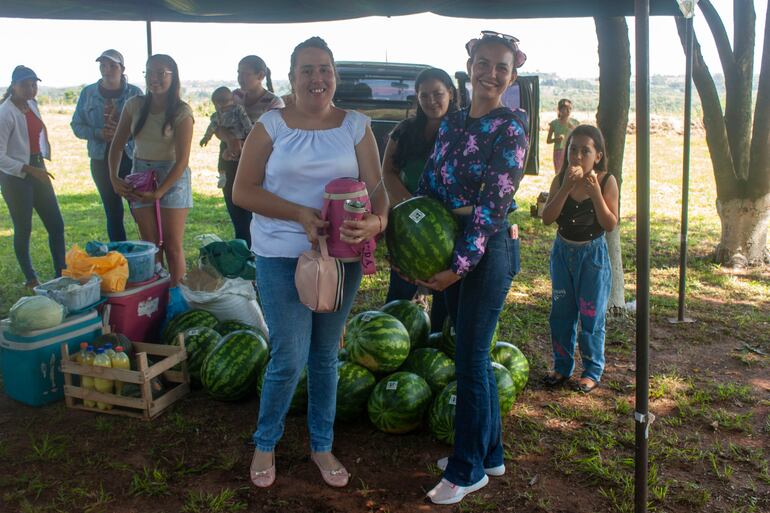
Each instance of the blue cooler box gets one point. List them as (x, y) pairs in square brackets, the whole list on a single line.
[(31, 362)]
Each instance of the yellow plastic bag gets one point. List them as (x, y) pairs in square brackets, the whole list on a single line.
[(112, 267)]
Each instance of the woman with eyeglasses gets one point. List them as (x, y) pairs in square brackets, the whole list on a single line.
[(95, 118), (256, 99), (475, 170), (25, 183), (409, 146), (162, 127)]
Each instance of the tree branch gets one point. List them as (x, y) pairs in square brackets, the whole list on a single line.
[(719, 33), (759, 169), (713, 119)]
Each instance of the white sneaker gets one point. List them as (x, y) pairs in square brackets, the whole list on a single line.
[(491, 471), (446, 492)]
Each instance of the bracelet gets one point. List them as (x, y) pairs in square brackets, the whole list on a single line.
[(379, 218)]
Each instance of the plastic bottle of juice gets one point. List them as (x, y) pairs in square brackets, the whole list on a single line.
[(81, 358), (109, 350), (88, 382), (100, 384), (120, 361)]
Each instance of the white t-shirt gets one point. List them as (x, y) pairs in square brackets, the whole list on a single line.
[(300, 166)]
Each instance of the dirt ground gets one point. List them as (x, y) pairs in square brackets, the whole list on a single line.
[(195, 457)]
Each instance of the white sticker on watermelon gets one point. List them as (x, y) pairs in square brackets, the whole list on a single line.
[(391, 385), (366, 317), (452, 399), (417, 215)]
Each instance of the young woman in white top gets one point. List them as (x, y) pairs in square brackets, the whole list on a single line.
[(287, 160), (25, 183), (162, 127)]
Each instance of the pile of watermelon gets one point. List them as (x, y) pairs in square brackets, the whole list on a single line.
[(225, 358)]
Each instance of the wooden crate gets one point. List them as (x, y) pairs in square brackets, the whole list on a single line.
[(144, 407)]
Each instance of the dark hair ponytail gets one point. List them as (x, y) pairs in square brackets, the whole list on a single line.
[(7, 94), (268, 80), (258, 65)]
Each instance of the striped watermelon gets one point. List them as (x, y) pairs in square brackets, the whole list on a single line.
[(231, 368), (435, 340), (230, 325), (506, 388), (377, 341), (298, 405), (343, 355), (353, 389), (441, 419), (186, 320), (514, 360), (199, 342), (432, 365), (413, 317), (421, 237), (398, 402), (449, 337)]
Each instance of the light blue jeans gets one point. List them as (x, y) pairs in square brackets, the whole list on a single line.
[(581, 279), (299, 337)]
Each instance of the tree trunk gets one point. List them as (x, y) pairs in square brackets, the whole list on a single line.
[(612, 119), (744, 232)]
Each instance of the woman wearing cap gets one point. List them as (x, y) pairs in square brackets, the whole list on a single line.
[(475, 169), (96, 116), (162, 126), (25, 183), (256, 99)]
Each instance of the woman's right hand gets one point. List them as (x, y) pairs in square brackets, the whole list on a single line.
[(39, 174), (122, 188), (311, 221), (574, 177)]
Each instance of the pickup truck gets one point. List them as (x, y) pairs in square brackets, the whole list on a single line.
[(384, 91)]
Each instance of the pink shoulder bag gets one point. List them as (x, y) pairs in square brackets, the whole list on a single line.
[(148, 182), (320, 279)]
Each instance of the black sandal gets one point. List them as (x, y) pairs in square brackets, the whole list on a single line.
[(586, 386), (554, 380)]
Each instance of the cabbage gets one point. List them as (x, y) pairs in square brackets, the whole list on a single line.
[(36, 313)]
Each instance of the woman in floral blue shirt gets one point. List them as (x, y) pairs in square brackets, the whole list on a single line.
[(477, 164)]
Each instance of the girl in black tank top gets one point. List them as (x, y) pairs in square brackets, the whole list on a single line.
[(583, 201)]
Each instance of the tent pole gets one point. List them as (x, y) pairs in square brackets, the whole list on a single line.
[(641, 415), (689, 36), (149, 38)]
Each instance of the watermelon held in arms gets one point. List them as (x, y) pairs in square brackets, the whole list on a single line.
[(298, 404), (413, 317), (421, 236), (233, 365), (398, 402), (186, 320), (514, 360), (377, 340), (432, 365), (506, 388), (198, 342), (353, 389), (441, 419)]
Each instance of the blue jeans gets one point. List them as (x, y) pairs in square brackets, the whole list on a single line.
[(399, 288), (475, 303), (113, 203), (22, 195), (240, 217), (581, 279), (298, 338)]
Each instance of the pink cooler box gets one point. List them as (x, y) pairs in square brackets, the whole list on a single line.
[(138, 312)]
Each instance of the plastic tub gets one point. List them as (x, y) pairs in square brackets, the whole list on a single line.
[(71, 293), (141, 258)]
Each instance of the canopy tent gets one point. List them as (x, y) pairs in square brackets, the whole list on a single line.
[(251, 11)]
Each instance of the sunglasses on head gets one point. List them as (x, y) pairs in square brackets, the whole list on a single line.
[(506, 39), (492, 33)]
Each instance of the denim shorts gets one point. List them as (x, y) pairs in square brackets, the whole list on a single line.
[(178, 196)]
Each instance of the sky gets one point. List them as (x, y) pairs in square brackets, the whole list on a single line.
[(63, 52)]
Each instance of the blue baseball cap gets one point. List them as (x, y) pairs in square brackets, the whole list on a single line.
[(21, 73)]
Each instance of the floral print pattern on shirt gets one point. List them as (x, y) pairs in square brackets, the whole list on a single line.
[(478, 165)]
